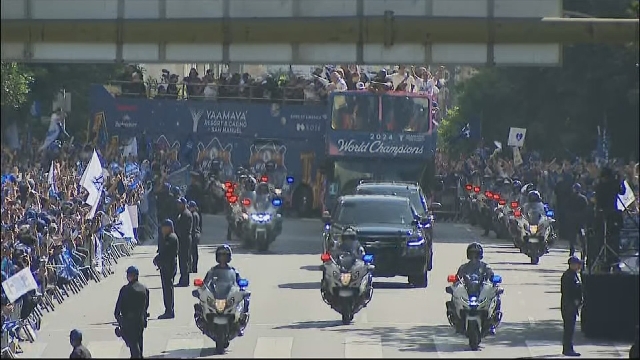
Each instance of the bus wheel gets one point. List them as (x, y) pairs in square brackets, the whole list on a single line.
[(302, 200)]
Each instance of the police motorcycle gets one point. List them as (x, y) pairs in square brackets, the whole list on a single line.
[(237, 194), (348, 284), (281, 183), (474, 191), (501, 220), (487, 211), (214, 188), (537, 231), (472, 309), (220, 306), (265, 223)]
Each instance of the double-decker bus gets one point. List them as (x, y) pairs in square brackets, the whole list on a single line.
[(377, 136)]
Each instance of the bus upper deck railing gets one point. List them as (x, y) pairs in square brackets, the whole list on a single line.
[(301, 94)]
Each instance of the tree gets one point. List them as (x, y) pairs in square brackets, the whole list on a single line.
[(562, 107), (15, 85)]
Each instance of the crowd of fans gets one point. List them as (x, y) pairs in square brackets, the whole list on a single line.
[(45, 227), (286, 87)]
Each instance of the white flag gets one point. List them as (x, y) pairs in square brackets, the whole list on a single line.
[(93, 180), (51, 178), (131, 148), (53, 132)]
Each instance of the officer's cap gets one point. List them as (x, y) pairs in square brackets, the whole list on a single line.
[(133, 270), (75, 335), (574, 260), (182, 201), (192, 204), (167, 223)]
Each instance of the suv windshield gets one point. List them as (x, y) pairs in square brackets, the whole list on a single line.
[(375, 211), (413, 195)]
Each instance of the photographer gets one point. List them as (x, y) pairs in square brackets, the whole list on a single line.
[(608, 218)]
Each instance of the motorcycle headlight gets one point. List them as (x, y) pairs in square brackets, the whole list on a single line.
[(345, 279), (278, 192), (245, 216), (261, 218), (220, 305), (533, 229)]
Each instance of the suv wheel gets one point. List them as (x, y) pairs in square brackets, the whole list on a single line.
[(419, 280)]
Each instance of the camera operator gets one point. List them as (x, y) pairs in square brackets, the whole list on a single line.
[(608, 217), (193, 83)]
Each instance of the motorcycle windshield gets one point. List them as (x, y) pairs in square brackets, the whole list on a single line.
[(473, 284), (346, 261), (263, 203), (534, 216), (221, 283)]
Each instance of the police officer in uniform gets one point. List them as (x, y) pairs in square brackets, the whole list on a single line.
[(183, 228), (131, 312), (79, 350), (578, 207), (195, 235), (571, 299), (166, 260)]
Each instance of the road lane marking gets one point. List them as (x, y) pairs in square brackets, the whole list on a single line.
[(453, 347), (360, 347), (105, 349), (539, 349), (468, 230), (273, 347), (184, 348)]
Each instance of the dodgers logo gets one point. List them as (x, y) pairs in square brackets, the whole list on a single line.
[(262, 154), (215, 151), (196, 115)]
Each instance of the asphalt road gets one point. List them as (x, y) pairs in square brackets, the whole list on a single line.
[(289, 319)]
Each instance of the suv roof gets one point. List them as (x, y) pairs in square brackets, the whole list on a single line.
[(364, 198), (410, 184), (389, 185)]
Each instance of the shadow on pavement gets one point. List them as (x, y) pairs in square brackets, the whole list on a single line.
[(390, 285), (204, 352), (301, 286), (417, 338), (311, 267), (310, 325)]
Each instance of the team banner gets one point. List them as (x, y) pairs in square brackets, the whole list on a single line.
[(393, 145)]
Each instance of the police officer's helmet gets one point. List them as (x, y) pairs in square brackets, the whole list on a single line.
[(534, 196), (270, 165), (526, 188), (175, 191), (75, 335), (223, 250), (475, 251), (517, 185), (250, 183), (349, 234)]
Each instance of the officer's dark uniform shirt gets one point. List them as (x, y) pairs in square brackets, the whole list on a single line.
[(571, 290), (197, 224), (80, 352), (168, 250), (475, 267), (579, 209), (352, 247), (184, 225), (132, 304)]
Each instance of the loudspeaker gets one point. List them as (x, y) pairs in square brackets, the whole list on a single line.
[(610, 307)]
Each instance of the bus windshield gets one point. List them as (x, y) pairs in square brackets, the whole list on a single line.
[(371, 112)]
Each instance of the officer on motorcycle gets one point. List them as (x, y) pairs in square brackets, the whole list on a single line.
[(517, 187), (349, 244), (223, 258), (578, 207), (534, 203), (475, 253)]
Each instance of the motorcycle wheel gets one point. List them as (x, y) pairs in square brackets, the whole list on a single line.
[(473, 333), (535, 260), (222, 340), (262, 242), (347, 313)]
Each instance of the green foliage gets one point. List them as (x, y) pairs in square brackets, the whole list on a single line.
[(561, 107), (15, 85), (449, 133)]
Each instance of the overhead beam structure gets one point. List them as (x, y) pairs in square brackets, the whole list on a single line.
[(298, 31)]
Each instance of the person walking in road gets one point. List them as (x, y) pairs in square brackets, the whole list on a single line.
[(183, 228), (570, 302), (195, 235), (166, 260), (79, 350), (131, 312)]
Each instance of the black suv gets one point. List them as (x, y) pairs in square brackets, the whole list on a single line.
[(388, 227), (416, 197)]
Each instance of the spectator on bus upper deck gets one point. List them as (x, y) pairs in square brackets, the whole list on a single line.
[(137, 87), (403, 80), (194, 84), (337, 82)]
